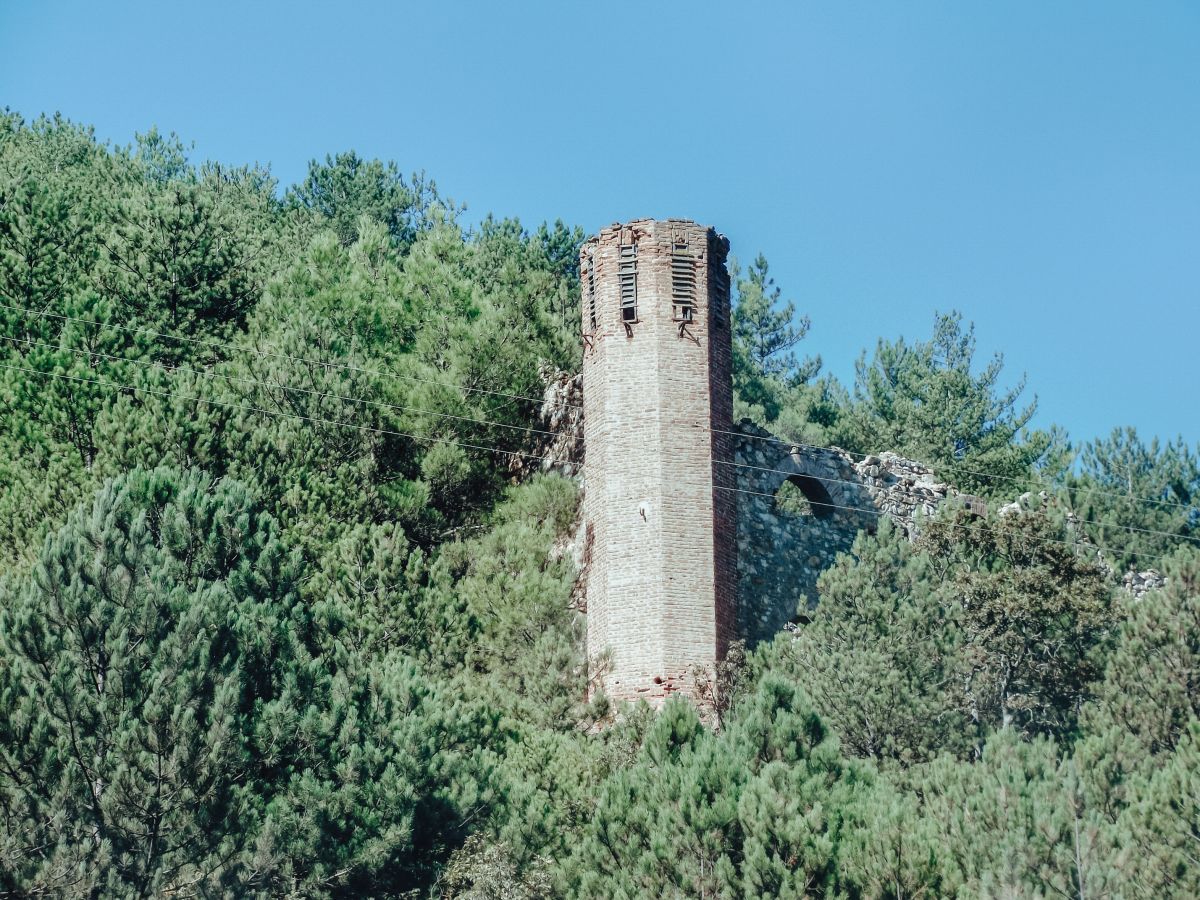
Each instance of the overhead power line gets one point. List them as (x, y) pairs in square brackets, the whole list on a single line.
[(234, 348), (151, 364), (1010, 478), (307, 391), (481, 422), (275, 413), (859, 484), (422, 438), (384, 373), (874, 511)]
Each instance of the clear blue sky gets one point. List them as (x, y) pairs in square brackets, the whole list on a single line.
[(1034, 165)]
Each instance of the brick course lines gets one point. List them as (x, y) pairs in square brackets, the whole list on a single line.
[(661, 577)]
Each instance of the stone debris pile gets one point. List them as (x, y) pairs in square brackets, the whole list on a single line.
[(1141, 583), (903, 489)]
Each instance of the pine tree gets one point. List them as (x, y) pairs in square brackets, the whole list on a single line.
[(1150, 689), (771, 385), (756, 811), (188, 250), (343, 189), (1015, 824), (1164, 823), (142, 655), (1036, 616), (881, 653), (925, 400), (1139, 500)]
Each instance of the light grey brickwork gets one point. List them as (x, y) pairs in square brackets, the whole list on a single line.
[(684, 545), (660, 515)]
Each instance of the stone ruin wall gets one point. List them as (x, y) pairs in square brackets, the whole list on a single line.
[(781, 555), (560, 444), (1141, 583)]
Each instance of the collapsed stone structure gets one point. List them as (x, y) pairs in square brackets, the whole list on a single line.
[(683, 547), (561, 444), (1142, 583), (782, 552)]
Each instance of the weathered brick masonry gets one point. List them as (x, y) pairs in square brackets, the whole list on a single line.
[(660, 556), (684, 546), (685, 543)]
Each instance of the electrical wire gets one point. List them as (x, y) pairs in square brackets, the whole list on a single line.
[(1170, 534), (236, 349), (876, 512), (1010, 478), (383, 404), (467, 419), (276, 413), (381, 373), (436, 440), (151, 365)]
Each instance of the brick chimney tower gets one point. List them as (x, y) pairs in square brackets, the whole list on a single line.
[(660, 564)]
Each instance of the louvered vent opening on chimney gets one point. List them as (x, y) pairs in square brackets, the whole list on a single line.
[(683, 285), (591, 289), (627, 275)]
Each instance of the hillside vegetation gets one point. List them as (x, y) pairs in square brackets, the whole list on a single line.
[(285, 608)]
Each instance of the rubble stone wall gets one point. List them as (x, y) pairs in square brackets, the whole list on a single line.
[(780, 553), (683, 544)]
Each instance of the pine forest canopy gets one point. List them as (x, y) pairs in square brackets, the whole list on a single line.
[(285, 608)]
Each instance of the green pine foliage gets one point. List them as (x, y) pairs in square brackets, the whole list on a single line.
[(141, 657), (1141, 500), (287, 606), (772, 386), (754, 811), (1035, 612), (882, 653), (1151, 685), (925, 399)]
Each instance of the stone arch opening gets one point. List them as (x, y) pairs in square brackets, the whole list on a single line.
[(804, 495)]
